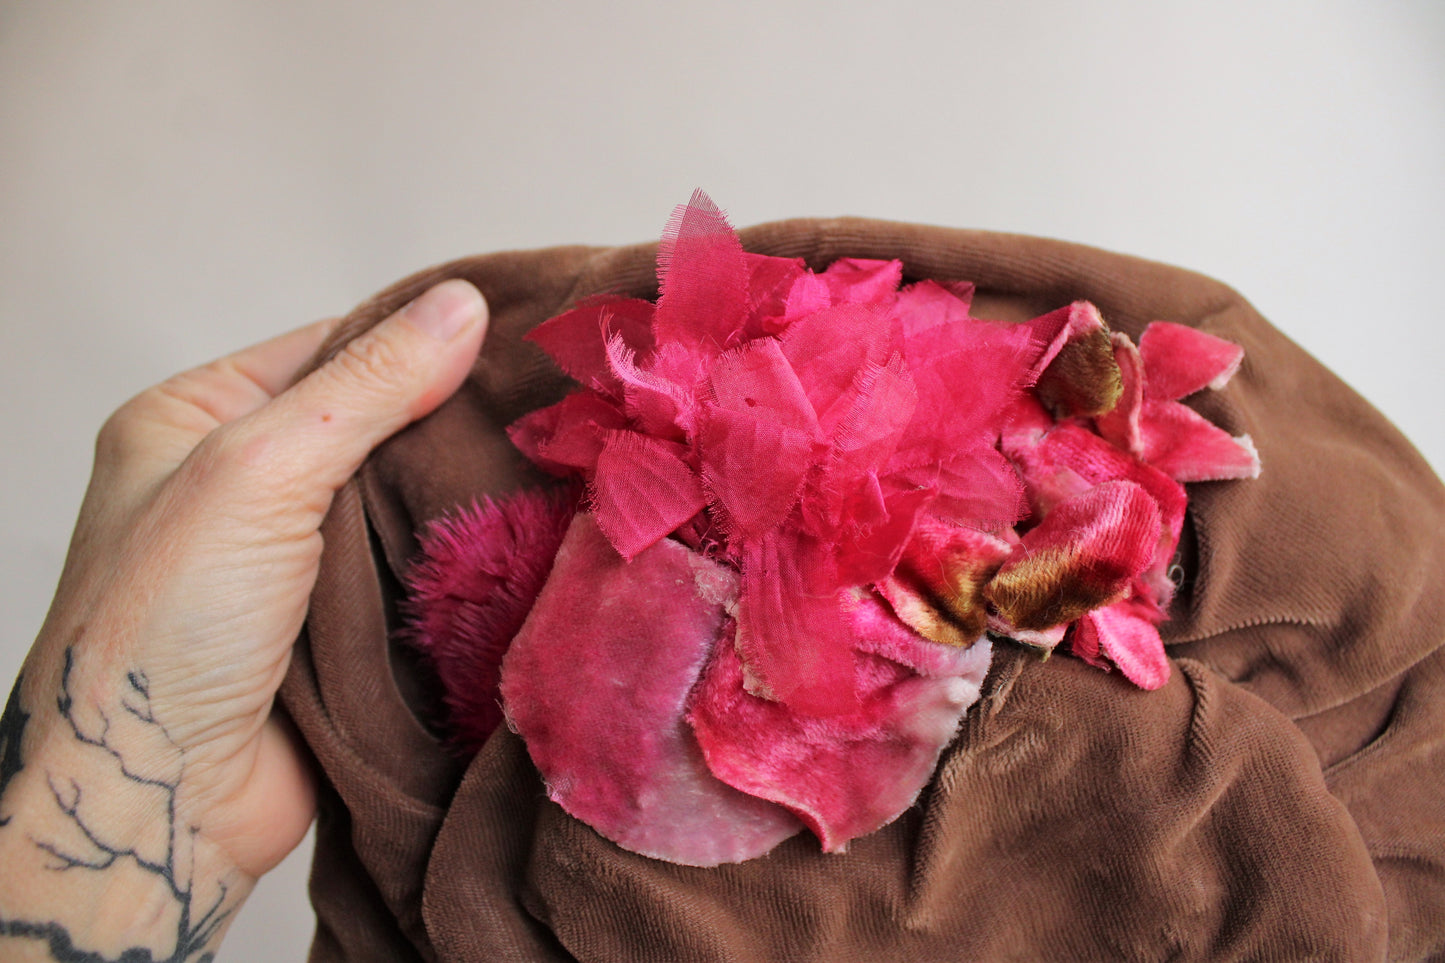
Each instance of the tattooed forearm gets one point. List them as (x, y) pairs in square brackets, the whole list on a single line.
[(78, 839)]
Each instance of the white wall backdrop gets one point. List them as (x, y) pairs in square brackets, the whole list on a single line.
[(179, 179)]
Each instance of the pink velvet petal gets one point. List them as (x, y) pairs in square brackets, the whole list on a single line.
[(1052, 465), (790, 631), (937, 587), (845, 775), (1041, 640), (577, 339), (1180, 360), (1059, 327), (1189, 448), (1082, 555), (643, 490), (476, 578), (1084, 642), (703, 276), (878, 631), (1121, 426), (596, 684), (1127, 635)]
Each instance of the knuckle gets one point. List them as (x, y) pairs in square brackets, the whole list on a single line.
[(372, 362), (119, 434)]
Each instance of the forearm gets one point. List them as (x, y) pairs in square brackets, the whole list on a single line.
[(105, 849)]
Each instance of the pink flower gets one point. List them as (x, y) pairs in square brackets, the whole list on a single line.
[(811, 499)]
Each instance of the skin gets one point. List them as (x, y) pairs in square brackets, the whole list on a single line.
[(145, 783)]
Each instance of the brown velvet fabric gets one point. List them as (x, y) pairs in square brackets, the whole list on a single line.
[(1280, 798)]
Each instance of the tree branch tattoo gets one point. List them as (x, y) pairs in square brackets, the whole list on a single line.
[(12, 730), (92, 850)]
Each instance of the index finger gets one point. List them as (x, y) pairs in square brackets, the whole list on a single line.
[(236, 385)]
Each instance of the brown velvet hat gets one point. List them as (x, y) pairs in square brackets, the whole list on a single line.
[(1279, 798)]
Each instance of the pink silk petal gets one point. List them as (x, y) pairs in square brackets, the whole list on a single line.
[(703, 277), (758, 379), (1121, 425), (643, 490), (477, 576), (808, 295), (790, 631), (567, 437), (659, 405), (963, 290), (929, 304), (673, 364), (752, 468), (769, 281), (968, 374), (845, 775), (858, 280), (978, 488), (884, 402), (596, 684), (1181, 360), (577, 339), (1129, 638), (1189, 448), (827, 350), (869, 554), (1084, 554)]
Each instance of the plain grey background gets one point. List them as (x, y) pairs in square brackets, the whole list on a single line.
[(180, 179)]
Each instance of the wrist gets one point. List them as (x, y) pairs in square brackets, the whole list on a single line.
[(103, 851)]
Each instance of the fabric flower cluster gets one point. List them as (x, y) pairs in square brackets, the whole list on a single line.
[(813, 501)]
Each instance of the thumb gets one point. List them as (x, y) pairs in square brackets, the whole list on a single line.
[(314, 436)]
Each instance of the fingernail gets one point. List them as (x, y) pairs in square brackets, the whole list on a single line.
[(445, 310)]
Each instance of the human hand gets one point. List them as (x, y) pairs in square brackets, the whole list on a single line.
[(139, 758)]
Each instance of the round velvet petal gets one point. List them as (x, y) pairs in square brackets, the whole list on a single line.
[(596, 684), (844, 775)]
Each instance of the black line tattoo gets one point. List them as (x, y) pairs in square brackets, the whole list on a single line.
[(12, 731), (98, 854)]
